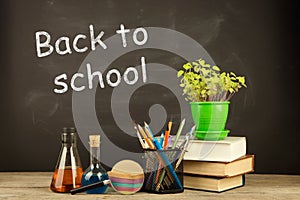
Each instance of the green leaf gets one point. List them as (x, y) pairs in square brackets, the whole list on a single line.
[(241, 79), (205, 72), (180, 72), (216, 68), (195, 64), (202, 82), (233, 74), (187, 66), (202, 62)]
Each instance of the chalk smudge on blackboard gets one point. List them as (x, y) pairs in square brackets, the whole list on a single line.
[(38, 102), (211, 29)]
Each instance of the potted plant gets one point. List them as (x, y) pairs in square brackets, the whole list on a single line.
[(209, 91)]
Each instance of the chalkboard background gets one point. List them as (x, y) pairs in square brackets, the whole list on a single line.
[(255, 38)]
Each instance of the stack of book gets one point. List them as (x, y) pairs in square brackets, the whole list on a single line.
[(217, 166)]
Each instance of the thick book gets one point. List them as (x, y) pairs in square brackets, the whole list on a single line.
[(242, 165), (213, 184), (227, 150)]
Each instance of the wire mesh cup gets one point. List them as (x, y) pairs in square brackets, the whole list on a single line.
[(163, 172)]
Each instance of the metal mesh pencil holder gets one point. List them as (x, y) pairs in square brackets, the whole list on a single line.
[(159, 176)]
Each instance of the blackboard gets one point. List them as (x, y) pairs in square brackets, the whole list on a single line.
[(257, 39)]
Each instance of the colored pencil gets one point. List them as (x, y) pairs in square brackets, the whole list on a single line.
[(162, 138), (151, 135), (139, 135), (178, 133), (166, 139), (170, 126), (148, 133), (149, 142)]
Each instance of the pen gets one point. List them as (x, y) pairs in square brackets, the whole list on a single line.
[(173, 147), (170, 140), (167, 163), (89, 187), (165, 146)]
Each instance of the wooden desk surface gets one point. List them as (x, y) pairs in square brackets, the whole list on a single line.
[(35, 185)]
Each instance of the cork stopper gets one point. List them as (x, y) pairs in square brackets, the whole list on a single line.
[(94, 140)]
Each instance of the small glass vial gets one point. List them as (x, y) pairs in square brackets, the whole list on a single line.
[(68, 170), (95, 172)]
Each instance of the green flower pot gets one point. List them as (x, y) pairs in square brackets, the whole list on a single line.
[(211, 135), (210, 118)]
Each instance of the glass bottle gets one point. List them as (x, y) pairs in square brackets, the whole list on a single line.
[(95, 172), (68, 170)]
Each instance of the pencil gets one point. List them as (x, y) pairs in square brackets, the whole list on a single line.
[(178, 133), (149, 142), (166, 140), (170, 126), (150, 134), (162, 138), (139, 135), (140, 139)]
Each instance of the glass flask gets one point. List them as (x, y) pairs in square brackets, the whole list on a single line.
[(95, 172), (68, 170)]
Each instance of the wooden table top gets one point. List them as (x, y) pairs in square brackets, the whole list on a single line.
[(35, 185)]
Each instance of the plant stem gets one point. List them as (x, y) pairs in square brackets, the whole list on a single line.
[(224, 96), (229, 96)]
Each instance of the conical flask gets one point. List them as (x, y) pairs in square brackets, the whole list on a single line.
[(95, 172), (68, 170)]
